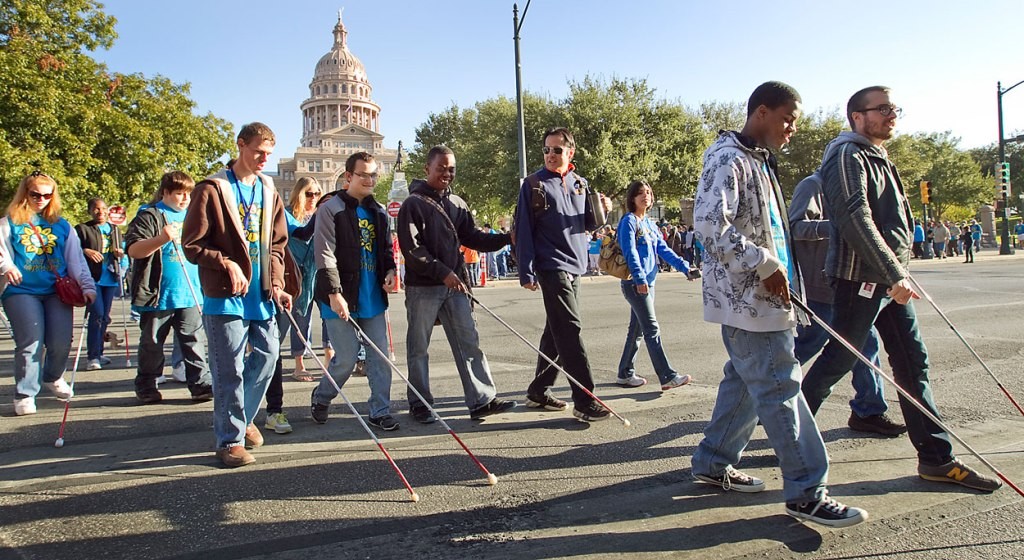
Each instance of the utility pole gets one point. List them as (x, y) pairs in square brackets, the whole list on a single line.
[(1005, 247), (517, 24)]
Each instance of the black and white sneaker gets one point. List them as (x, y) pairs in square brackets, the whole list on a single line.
[(496, 406), (421, 414), (592, 412), (546, 401), (318, 411), (827, 511), (732, 479), (386, 422)]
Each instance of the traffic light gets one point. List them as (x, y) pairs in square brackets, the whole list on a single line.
[(1004, 178), (926, 192)]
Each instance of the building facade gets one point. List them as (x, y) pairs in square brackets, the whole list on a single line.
[(339, 118)]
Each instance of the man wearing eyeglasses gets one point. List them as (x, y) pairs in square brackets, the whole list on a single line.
[(868, 260), (552, 219)]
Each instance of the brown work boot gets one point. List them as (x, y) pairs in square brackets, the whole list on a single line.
[(235, 456), (253, 437)]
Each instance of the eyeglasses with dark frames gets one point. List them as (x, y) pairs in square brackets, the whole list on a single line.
[(884, 110), (367, 176), (557, 149), (40, 196)]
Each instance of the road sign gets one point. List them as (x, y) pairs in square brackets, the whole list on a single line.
[(393, 208), (117, 215)]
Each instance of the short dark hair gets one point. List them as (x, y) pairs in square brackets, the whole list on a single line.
[(632, 190), (254, 129), (176, 181), (772, 95), (350, 163), (859, 99), (567, 138), (92, 202), (438, 150)]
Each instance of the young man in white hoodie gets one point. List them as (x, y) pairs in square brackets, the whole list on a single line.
[(740, 219)]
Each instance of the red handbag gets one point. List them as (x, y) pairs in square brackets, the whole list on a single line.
[(68, 290)]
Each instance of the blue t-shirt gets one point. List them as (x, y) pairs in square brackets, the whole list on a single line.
[(1019, 229), (38, 248), (174, 288), (779, 236), (371, 302), (595, 247), (111, 268), (251, 306)]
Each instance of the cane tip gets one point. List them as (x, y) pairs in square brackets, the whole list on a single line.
[(415, 497), (59, 443), (491, 479), (626, 422)]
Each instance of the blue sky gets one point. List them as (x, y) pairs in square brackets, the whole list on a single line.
[(254, 60)]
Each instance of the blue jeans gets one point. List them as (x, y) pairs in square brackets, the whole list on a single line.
[(424, 304), (43, 327), (643, 324), (305, 323), (898, 329), (239, 381), (762, 380), (346, 352), (99, 319), (869, 397)]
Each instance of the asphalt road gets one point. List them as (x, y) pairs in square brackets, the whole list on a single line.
[(142, 481)]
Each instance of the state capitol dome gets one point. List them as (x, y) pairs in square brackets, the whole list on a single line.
[(339, 118)]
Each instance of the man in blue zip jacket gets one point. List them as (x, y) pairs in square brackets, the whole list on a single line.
[(552, 219)]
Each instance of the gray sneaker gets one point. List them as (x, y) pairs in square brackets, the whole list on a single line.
[(956, 472)]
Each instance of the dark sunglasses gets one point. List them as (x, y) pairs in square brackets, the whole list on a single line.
[(40, 196), (311, 194), (557, 149)]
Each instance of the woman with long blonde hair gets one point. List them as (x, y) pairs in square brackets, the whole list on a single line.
[(37, 245)]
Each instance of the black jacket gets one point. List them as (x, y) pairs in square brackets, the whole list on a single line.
[(430, 247), (89, 234), (338, 252), (144, 282)]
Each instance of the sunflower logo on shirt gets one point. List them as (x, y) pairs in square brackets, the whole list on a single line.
[(367, 234), (252, 225), (38, 240)]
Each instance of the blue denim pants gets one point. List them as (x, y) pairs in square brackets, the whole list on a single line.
[(424, 304), (762, 380), (99, 319), (869, 397), (643, 325), (239, 381), (899, 330), (346, 352), (43, 328)]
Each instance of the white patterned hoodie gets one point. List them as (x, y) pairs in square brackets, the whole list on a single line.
[(732, 221)]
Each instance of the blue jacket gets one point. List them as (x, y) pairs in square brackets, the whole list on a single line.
[(554, 238), (642, 244)]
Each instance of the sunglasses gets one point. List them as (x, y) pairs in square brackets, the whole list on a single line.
[(40, 196), (311, 194), (557, 149)]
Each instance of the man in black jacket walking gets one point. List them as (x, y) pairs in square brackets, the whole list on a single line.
[(432, 224)]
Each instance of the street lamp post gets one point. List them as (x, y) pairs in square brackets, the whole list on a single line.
[(517, 24), (1005, 248)]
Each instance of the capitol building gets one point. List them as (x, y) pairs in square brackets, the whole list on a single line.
[(339, 118)]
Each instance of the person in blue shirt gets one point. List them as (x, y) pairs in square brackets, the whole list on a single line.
[(235, 230), (165, 291), (642, 244), (355, 268), (1019, 230), (37, 246), (103, 247)]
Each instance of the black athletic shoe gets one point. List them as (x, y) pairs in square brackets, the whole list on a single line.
[(496, 406), (827, 511), (317, 411), (545, 401), (732, 479), (592, 412), (386, 423), (149, 396), (878, 424), (201, 392), (421, 414)]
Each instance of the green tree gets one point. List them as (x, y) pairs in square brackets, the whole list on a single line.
[(97, 133), (806, 148), (957, 182)]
